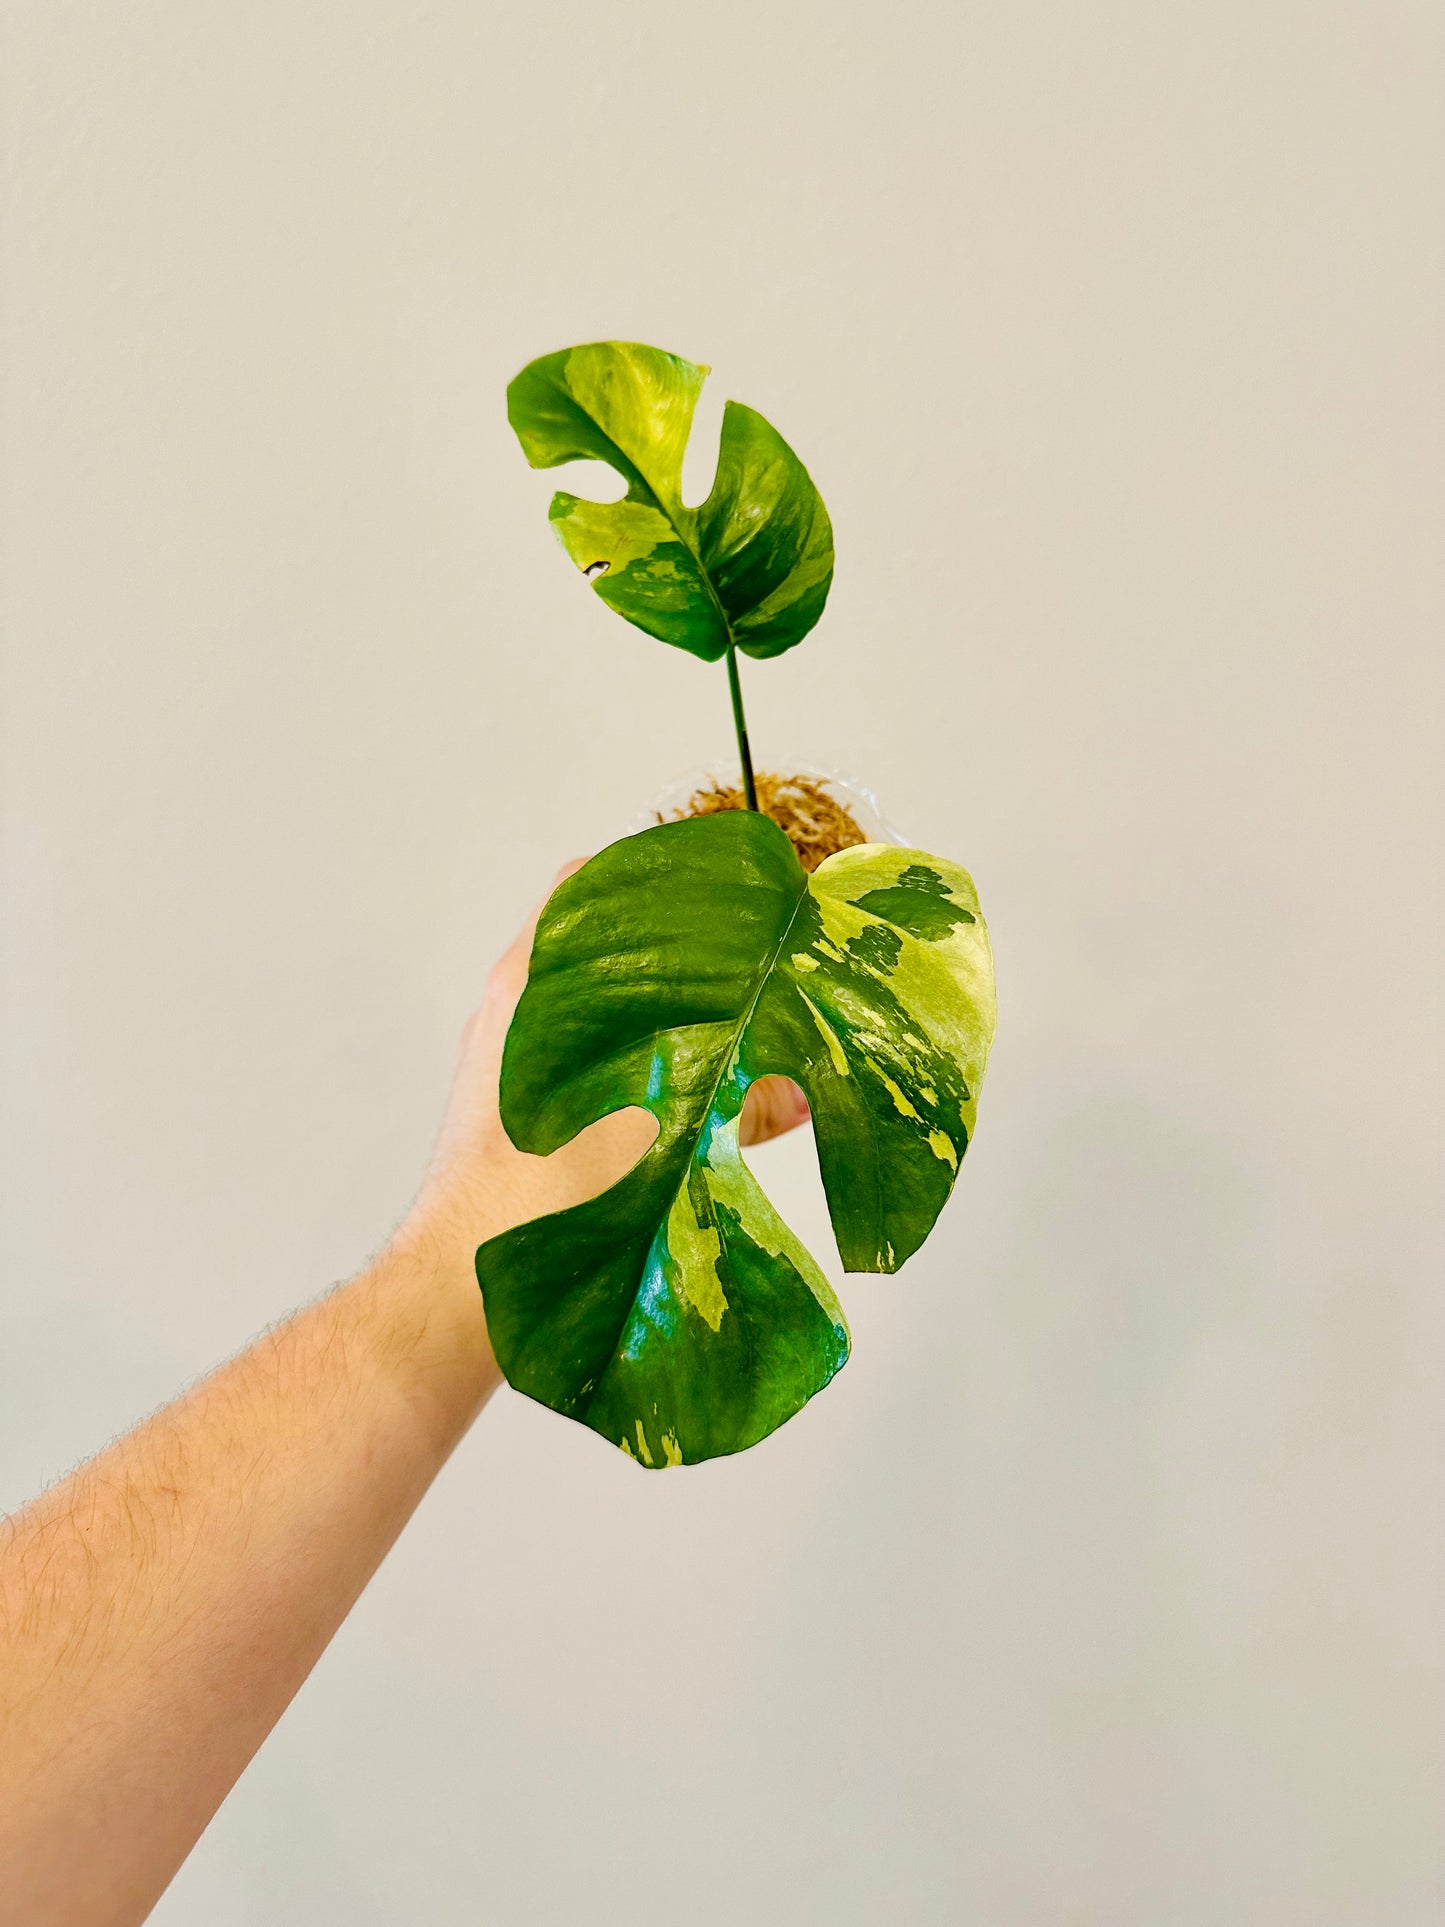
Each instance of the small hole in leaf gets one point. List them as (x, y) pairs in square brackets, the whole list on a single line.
[(595, 569)]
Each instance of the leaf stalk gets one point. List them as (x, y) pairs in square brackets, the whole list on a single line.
[(740, 724)]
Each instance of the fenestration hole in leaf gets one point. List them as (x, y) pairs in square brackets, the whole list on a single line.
[(600, 1155), (773, 1106), (603, 1153), (595, 569)]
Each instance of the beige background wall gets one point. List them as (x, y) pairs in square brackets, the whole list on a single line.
[(1106, 1585)]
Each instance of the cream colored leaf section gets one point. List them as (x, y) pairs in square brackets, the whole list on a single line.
[(614, 532), (644, 402), (693, 1251), (945, 985)]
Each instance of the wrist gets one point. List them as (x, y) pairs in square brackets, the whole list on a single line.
[(423, 1299)]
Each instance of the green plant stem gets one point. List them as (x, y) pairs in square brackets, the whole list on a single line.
[(740, 724)]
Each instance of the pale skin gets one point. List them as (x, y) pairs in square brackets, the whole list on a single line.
[(160, 1607)]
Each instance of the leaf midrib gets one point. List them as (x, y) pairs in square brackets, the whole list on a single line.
[(725, 1060)]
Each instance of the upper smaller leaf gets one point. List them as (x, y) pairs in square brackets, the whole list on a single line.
[(753, 565)]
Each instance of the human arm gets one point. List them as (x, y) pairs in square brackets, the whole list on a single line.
[(160, 1607)]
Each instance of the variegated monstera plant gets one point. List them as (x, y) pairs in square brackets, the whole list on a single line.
[(676, 1314)]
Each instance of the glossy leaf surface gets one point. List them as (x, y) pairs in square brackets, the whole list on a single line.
[(676, 1314), (754, 563)]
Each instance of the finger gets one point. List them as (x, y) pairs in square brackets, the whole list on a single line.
[(773, 1105)]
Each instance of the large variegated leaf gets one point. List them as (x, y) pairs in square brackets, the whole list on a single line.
[(676, 1314), (753, 564)]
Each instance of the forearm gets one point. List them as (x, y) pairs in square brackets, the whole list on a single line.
[(159, 1609)]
